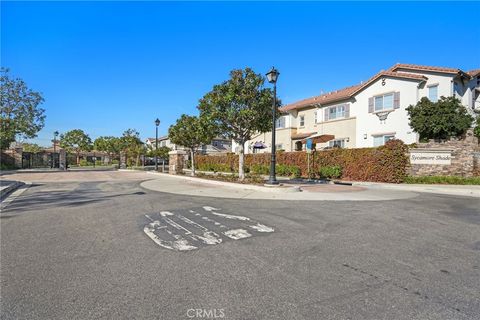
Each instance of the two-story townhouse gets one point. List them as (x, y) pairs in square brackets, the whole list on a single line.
[(372, 112), (218, 145), (163, 141)]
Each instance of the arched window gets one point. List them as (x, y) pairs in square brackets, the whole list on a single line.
[(298, 146)]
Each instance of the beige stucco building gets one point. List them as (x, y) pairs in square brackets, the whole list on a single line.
[(370, 113)]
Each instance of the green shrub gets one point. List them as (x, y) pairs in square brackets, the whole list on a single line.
[(83, 163), (476, 131), (115, 161), (288, 170), (98, 162), (330, 172), (259, 169), (443, 180), (4, 166)]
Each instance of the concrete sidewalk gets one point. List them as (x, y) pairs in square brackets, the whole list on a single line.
[(454, 190), (217, 189), (7, 187)]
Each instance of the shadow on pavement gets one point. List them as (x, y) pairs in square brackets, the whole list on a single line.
[(59, 199)]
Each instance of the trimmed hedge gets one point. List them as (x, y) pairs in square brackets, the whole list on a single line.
[(387, 163)]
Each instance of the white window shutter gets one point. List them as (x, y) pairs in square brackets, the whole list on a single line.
[(370, 105), (347, 110), (326, 114), (396, 100)]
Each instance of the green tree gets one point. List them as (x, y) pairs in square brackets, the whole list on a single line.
[(161, 152), (20, 112), (76, 141), (191, 132), (31, 147), (439, 120), (108, 144), (240, 107), (476, 131), (132, 145)]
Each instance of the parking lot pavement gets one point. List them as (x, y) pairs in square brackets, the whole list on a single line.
[(86, 249)]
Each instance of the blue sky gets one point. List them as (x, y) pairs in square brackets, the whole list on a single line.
[(108, 66)]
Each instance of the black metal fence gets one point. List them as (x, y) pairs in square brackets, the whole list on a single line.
[(32, 160)]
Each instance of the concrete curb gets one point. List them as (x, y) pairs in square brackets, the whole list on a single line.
[(14, 194), (454, 190), (5, 192), (280, 189)]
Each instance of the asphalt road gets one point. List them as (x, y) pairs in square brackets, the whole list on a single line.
[(107, 249)]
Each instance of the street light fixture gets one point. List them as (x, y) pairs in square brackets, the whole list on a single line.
[(157, 123), (55, 135), (272, 77)]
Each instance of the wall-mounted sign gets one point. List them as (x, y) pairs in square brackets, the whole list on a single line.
[(432, 156)]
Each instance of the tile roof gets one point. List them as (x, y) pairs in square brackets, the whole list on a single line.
[(324, 98), (348, 92), (159, 138), (473, 73), (296, 136), (424, 68)]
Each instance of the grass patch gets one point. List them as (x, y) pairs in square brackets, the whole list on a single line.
[(443, 180)]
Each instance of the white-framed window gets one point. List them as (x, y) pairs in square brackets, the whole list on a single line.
[(336, 112), (338, 143), (382, 139), (384, 102), (316, 116), (280, 123), (433, 93), (302, 121)]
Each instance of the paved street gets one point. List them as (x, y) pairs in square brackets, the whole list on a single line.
[(97, 245)]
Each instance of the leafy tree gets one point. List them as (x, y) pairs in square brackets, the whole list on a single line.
[(439, 120), (161, 152), (108, 144), (476, 131), (20, 112), (240, 107), (31, 147), (76, 141), (191, 132), (132, 145)]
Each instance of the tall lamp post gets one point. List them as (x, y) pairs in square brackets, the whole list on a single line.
[(272, 77), (157, 123), (55, 135)]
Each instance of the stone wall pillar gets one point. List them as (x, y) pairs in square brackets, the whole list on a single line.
[(463, 152), (62, 160), (123, 160), (176, 161), (17, 156)]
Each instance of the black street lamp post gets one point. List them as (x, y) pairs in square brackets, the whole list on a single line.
[(55, 135), (272, 77), (157, 123)]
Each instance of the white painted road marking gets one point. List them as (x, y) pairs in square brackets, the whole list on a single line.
[(262, 228), (176, 231), (237, 234)]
